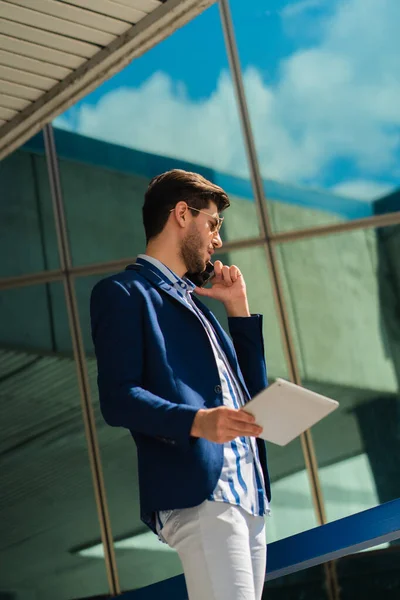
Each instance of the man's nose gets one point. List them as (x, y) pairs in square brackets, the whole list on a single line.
[(217, 242)]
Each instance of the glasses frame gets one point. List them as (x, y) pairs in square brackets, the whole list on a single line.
[(218, 220)]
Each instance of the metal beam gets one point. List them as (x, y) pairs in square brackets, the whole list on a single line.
[(385, 220), (270, 251), (307, 549), (334, 540), (80, 363)]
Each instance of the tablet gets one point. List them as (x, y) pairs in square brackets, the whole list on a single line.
[(285, 410)]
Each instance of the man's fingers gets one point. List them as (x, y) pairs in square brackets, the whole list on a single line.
[(203, 292), (244, 422), (226, 275), (243, 416), (235, 273), (233, 432), (224, 424), (243, 427), (217, 271), (238, 414), (232, 435)]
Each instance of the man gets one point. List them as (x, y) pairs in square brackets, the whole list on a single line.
[(169, 373)]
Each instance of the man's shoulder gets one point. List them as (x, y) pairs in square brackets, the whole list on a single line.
[(128, 281)]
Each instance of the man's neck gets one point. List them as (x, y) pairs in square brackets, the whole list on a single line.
[(169, 259)]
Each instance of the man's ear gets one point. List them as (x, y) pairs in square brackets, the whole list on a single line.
[(180, 213)]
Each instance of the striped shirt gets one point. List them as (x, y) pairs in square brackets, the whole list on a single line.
[(241, 481)]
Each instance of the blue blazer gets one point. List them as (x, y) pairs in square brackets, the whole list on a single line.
[(156, 369)]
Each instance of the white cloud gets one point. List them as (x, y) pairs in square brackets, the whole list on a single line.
[(337, 99), (298, 8), (362, 189), (63, 122), (154, 118)]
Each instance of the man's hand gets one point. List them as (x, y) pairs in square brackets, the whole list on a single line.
[(224, 424), (228, 286)]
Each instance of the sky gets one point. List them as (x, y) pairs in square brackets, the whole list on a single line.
[(322, 80)]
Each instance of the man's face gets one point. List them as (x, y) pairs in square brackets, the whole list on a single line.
[(200, 242)]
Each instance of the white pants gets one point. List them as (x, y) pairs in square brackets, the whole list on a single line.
[(222, 549)]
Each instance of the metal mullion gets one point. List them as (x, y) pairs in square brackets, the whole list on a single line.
[(80, 362), (377, 221), (284, 237), (306, 439), (243, 244), (40, 277), (101, 268), (258, 190), (115, 265), (270, 248)]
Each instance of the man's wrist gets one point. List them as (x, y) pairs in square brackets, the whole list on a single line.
[(196, 430), (238, 309)]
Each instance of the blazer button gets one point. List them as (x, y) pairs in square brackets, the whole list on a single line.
[(218, 389)]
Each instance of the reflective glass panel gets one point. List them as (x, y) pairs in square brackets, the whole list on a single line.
[(343, 294), (291, 508), (27, 231), (174, 107), (141, 558), (47, 504), (322, 80)]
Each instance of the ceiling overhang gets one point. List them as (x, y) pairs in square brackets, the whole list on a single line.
[(55, 52)]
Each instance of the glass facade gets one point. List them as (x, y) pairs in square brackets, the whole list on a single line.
[(160, 112), (342, 290), (26, 213), (310, 581), (175, 107), (48, 506), (323, 106)]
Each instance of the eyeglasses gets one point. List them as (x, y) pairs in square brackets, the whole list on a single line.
[(217, 221)]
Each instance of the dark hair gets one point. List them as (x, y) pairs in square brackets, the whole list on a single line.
[(166, 190)]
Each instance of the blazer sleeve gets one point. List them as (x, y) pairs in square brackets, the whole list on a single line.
[(247, 337), (118, 336)]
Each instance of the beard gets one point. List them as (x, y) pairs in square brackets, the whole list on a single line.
[(191, 251)]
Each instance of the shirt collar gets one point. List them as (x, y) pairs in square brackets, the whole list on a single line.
[(168, 275)]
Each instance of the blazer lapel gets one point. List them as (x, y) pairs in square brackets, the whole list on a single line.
[(151, 274)]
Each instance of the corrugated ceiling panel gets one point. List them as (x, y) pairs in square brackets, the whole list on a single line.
[(81, 16), (45, 38), (41, 53), (20, 91), (25, 78), (54, 52), (48, 385), (7, 113), (13, 102), (11, 361), (45, 471), (33, 18), (111, 9), (37, 67), (146, 5)]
